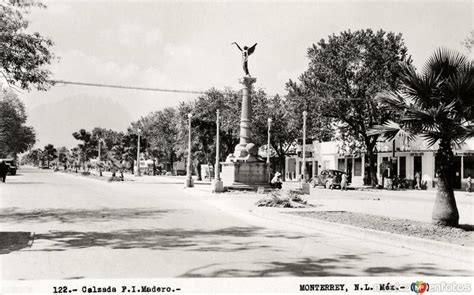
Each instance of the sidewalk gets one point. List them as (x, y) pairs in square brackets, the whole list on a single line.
[(386, 204)]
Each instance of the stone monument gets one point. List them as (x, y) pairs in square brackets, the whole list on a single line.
[(244, 167)]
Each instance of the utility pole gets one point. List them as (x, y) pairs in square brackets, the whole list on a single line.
[(189, 182), (138, 173)]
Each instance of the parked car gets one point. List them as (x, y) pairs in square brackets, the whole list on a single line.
[(11, 163), (328, 178)]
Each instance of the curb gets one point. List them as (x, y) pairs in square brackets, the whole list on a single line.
[(452, 251)]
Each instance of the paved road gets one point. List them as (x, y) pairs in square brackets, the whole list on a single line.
[(86, 228)]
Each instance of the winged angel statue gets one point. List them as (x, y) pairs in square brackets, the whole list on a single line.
[(246, 52)]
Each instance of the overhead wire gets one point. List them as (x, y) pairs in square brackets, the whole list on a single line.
[(125, 87)]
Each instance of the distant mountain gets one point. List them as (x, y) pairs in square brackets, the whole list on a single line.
[(55, 122)]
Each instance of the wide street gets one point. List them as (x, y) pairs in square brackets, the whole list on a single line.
[(87, 228)]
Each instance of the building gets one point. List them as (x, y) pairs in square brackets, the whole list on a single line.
[(406, 158)]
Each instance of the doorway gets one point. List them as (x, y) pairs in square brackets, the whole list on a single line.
[(349, 170), (457, 172), (417, 165)]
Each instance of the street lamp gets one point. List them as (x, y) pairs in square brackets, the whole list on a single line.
[(189, 179), (216, 170), (268, 142), (217, 186), (138, 173), (305, 113), (304, 184)]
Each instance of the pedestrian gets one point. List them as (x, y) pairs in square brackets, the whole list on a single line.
[(3, 170), (276, 180), (344, 182), (469, 183), (418, 180)]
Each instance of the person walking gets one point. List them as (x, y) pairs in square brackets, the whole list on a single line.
[(3, 170), (418, 180), (276, 180), (469, 183), (344, 182)]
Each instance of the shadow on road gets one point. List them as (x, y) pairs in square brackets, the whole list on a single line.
[(24, 182), (336, 265), (80, 215), (220, 240), (14, 241)]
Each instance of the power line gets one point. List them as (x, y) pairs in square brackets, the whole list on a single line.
[(126, 87)]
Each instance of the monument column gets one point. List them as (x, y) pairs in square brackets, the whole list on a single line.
[(241, 150)]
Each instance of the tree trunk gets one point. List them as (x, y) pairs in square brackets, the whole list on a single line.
[(445, 211), (372, 167), (282, 166), (199, 170), (171, 162)]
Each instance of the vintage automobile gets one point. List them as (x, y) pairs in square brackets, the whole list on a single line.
[(11, 163), (328, 178)]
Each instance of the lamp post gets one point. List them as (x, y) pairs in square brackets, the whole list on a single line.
[(268, 141), (303, 170), (304, 184), (189, 179), (138, 173), (216, 169), (217, 185), (269, 120)]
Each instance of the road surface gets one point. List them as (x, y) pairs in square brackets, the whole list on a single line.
[(87, 228)]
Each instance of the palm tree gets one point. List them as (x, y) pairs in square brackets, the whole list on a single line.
[(437, 104), (50, 153)]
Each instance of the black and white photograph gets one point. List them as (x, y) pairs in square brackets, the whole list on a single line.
[(236, 147)]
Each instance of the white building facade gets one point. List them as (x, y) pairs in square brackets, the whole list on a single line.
[(407, 159)]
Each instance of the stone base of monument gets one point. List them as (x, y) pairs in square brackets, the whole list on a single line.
[(245, 174), (217, 186), (304, 187)]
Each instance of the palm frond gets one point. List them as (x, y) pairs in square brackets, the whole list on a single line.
[(431, 137), (445, 63), (390, 130)]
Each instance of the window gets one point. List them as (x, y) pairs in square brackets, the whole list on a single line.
[(341, 164), (403, 167), (468, 166), (357, 167)]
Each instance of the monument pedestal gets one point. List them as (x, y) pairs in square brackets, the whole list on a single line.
[(245, 173)]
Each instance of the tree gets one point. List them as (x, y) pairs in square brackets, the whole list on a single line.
[(23, 55), (33, 157), (50, 153), (128, 147), (109, 139), (203, 125), (63, 154), (437, 104), (345, 73), (15, 136), (285, 126), (160, 128), (87, 147), (468, 43)]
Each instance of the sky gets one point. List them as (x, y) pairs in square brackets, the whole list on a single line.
[(187, 45)]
